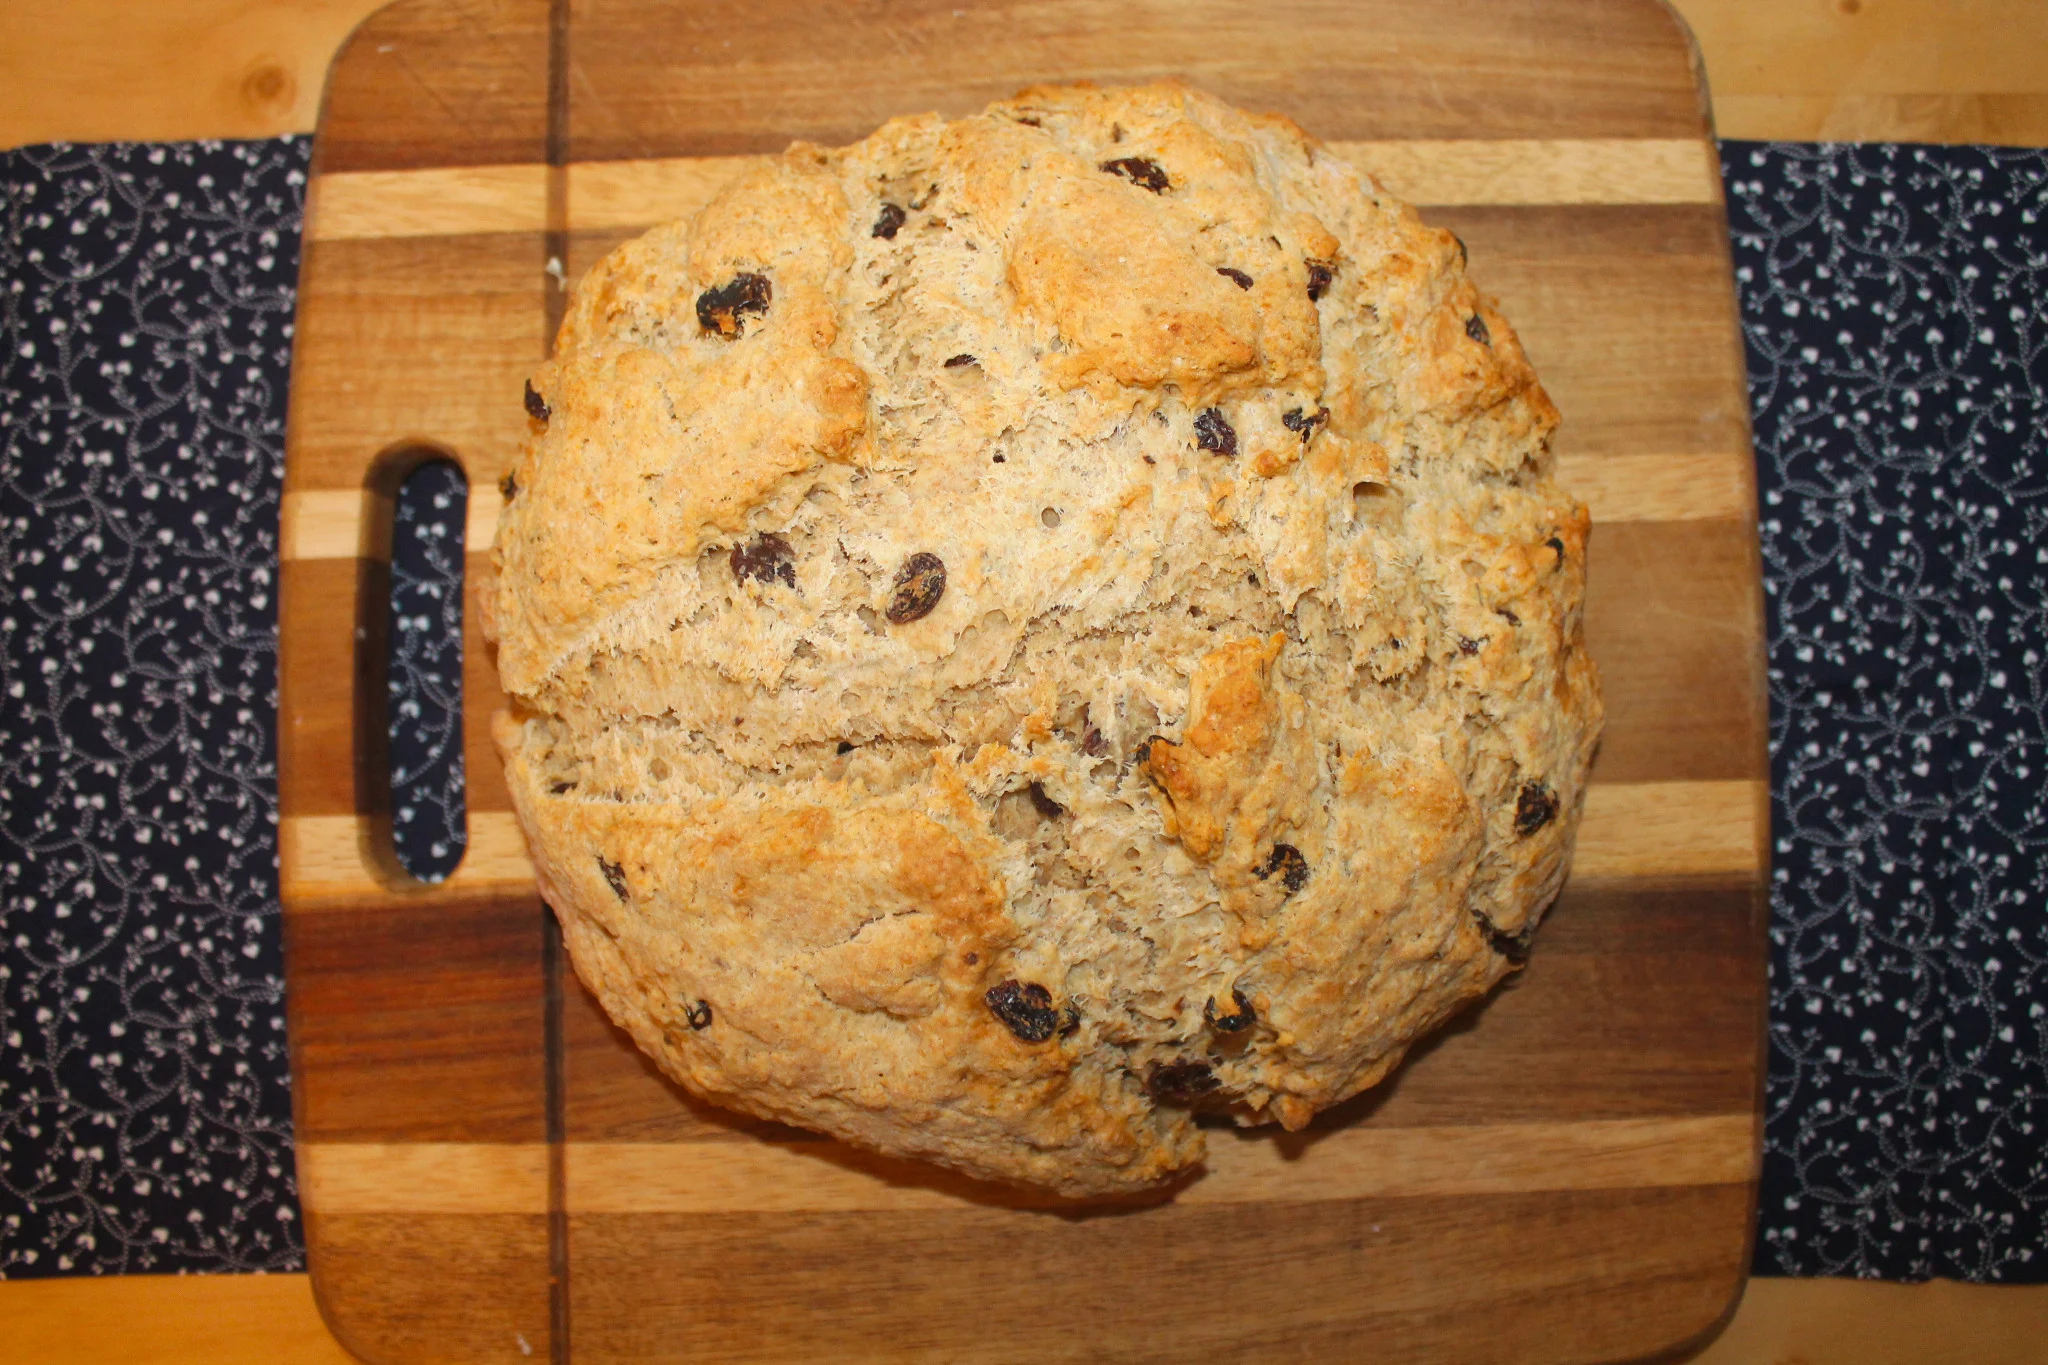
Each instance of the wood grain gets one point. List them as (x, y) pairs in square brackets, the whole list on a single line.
[(1909, 70), (434, 1287), (1917, 70), (665, 78), (273, 1320), (419, 1027), (455, 200), (112, 70), (1621, 1015), (1597, 1278), (814, 1177)]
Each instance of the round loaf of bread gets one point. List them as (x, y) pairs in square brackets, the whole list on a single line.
[(1027, 630)]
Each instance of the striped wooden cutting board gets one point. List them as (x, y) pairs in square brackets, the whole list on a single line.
[(490, 1172)]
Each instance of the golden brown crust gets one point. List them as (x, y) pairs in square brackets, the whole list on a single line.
[(1028, 628)]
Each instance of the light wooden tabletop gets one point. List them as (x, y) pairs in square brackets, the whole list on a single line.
[(1911, 70)]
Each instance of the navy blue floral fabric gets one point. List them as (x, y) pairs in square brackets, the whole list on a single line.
[(1891, 301), (428, 811), (145, 337)]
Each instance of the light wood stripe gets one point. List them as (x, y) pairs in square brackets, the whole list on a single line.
[(1592, 171), (1634, 830), (1626, 488), (818, 1177), (480, 527), (320, 858), (628, 194), (1630, 830), (424, 1177), (429, 203), (328, 524), (624, 194)]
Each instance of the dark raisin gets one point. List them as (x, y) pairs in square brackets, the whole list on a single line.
[(971, 959), (1143, 753), (1288, 862), (698, 1016), (844, 749), (1140, 172), (1043, 804), (1236, 277), (1305, 424), (723, 309), (999, 459), (1513, 947), (1534, 808), (508, 488), (1508, 616), (536, 406), (1468, 645), (615, 875), (1029, 122), (1475, 327), (765, 558), (920, 583), (1463, 258), (1180, 1082), (1092, 742), (1070, 1022), (1241, 1017), (1557, 545), (887, 221), (1025, 1009), (1212, 432), (955, 362), (1320, 273), (560, 787)]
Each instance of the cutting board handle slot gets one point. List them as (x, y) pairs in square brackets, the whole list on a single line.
[(429, 800), (410, 475)]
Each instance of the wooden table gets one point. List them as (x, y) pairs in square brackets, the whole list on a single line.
[(99, 70)]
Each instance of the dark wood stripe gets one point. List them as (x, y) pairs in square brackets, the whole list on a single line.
[(316, 713), (615, 1094), (1674, 621), (422, 85), (1627, 312), (1588, 1274), (677, 78), (1635, 1004), (440, 1287), (437, 336), (422, 1023)]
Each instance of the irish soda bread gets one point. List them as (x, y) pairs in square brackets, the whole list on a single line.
[(1027, 630)]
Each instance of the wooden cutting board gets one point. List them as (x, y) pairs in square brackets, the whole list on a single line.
[(490, 1172)]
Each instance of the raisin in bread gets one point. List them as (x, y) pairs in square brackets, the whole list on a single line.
[(1028, 629)]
